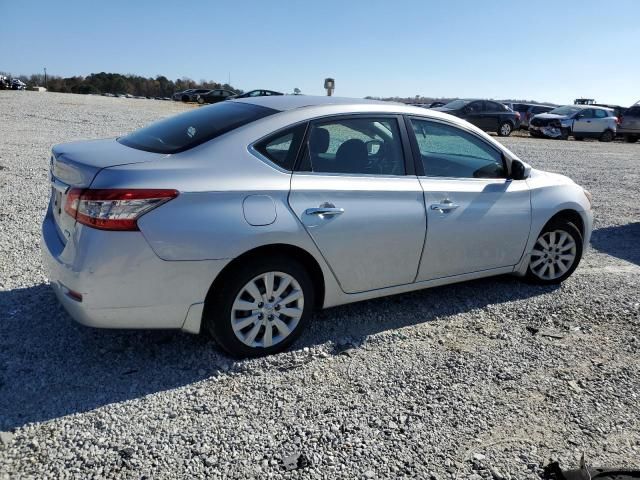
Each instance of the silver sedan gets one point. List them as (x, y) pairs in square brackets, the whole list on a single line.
[(242, 217)]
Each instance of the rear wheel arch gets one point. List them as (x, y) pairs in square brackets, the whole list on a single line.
[(290, 251)]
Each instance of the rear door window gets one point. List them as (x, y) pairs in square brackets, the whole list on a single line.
[(354, 146), (187, 130), (601, 113)]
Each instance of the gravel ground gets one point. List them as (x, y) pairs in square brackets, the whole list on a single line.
[(452, 382)]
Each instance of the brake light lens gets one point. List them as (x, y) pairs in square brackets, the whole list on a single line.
[(114, 209), (518, 115)]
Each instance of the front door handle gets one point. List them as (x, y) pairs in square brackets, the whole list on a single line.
[(444, 207), (324, 210)]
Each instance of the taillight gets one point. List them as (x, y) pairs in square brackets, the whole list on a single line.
[(114, 209), (518, 115), (618, 120)]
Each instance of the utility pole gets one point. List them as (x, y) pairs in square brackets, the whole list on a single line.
[(45, 77)]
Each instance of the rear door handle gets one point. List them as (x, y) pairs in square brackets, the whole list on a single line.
[(444, 207), (324, 211)]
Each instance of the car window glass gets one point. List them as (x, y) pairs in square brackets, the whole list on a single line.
[(494, 107), (182, 132), (358, 146), (282, 147), (475, 107), (586, 113), (601, 114), (448, 151)]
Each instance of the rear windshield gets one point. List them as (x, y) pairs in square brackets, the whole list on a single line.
[(187, 130)]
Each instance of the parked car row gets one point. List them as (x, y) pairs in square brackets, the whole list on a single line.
[(11, 84), (488, 115), (579, 121), (583, 119), (205, 95)]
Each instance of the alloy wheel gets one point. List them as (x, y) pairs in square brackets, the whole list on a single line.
[(505, 129), (267, 309), (553, 255)]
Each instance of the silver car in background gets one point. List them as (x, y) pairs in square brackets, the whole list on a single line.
[(581, 121), (242, 217)]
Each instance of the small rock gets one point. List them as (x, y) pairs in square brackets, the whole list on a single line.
[(479, 456), (369, 474), (6, 438)]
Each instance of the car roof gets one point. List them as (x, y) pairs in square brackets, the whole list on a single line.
[(290, 102)]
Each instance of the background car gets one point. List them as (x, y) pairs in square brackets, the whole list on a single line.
[(17, 84), (310, 202), (436, 104), (193, 95), (214, 96), (527, 110), (532, 112), (487, 115), (581, 121), (259, 93), (177, 96), (629, 126)]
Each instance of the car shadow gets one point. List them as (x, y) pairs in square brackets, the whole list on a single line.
[(51, 367), (619, 241)]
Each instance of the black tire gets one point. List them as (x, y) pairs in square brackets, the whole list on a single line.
[(200, 100), (575, 235), (564, 134), (579, 139), (607, 136), (218, 307), (630, 138), (505, 129)]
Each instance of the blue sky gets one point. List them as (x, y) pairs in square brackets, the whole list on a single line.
[(549, 51)]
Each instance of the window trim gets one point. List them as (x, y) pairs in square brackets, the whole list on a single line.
[(417, 158), (251, 148), (405, 145)]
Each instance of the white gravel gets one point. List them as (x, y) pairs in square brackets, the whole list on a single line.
[(443, 383)]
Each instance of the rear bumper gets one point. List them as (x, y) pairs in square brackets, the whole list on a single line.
[(628, 131), (123, 283)]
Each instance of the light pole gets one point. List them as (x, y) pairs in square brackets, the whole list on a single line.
[(45, 77)]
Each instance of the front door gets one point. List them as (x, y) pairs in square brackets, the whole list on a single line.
[(477, 219), (585, 122), (355, 199)]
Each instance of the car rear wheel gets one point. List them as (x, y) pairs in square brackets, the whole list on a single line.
[(630, 138), (200, 100), (575, 137), (606, 136), (260, 308), (556, 253), (505, 129)]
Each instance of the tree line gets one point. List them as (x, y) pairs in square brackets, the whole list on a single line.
[(116, 83)]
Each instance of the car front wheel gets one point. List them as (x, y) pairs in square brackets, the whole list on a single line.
[(556, 253), (261, 307), (505, 129)]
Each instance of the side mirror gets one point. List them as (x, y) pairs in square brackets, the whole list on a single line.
[(518, 170)]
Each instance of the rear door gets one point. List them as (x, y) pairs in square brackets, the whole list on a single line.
[(360, 201), (477, 219), (493, 115), (602, 120)]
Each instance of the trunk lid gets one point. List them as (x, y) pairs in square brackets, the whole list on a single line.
[(75, 165)]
